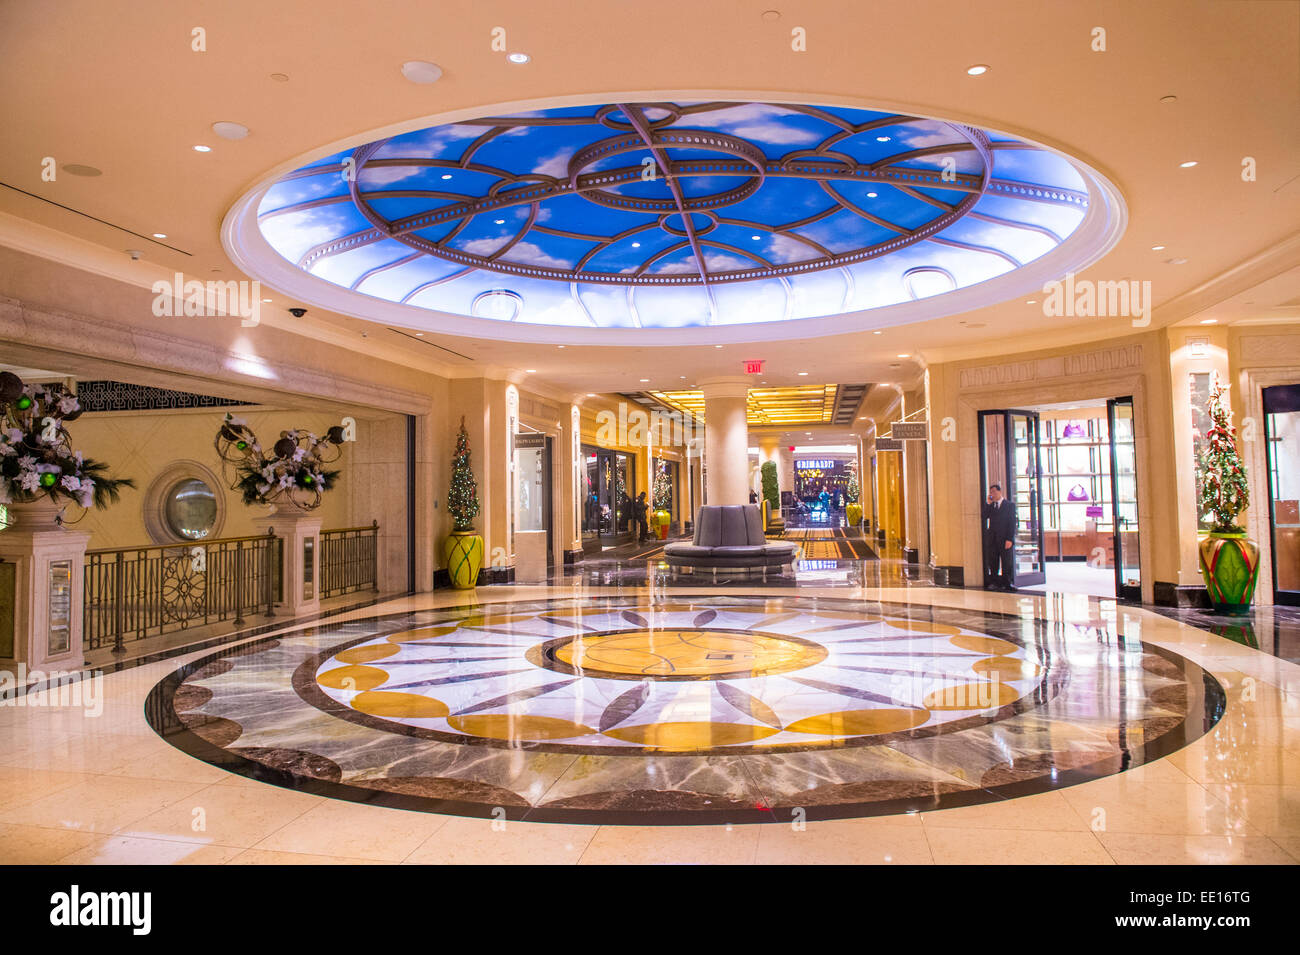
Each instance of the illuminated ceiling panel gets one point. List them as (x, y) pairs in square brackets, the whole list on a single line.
[(663, 215), (805, 404)]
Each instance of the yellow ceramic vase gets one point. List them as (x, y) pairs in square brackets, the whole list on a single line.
[(463, 551)]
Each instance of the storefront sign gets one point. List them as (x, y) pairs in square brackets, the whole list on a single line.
[(823, 463), (911, 430), (888, 444), (530, 441)]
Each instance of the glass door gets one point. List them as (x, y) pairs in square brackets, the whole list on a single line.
[(1282, 438), (1124, 498), (1010, 457)]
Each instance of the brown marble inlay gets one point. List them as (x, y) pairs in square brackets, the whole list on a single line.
[(296, 761)]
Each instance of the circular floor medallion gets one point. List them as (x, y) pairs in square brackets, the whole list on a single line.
[(698, 709)]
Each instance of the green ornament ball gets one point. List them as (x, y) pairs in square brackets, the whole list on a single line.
[(307, 479), (242, 445), (49, 479), (24, 403)]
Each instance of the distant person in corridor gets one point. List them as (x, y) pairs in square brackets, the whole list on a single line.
[(999, 537)]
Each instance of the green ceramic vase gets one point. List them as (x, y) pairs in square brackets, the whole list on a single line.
[(1230, 567)]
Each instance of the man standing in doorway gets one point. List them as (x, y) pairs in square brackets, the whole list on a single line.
[(640, 514), (999, 538)]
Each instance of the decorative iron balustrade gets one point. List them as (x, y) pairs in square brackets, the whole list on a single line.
[(349, 560), (136, 592), (132, 593)]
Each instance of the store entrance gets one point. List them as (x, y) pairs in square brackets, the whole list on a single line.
[(1070, 471), (609, 488), (1282, 439)]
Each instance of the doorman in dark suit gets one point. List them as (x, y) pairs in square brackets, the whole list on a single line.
[(999, 540)]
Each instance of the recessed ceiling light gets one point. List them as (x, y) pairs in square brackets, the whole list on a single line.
[(446, 175), (755, 237), (530, 371), (636, 245), (160, 235), (878, 332), (518, 57), (559, 346), (882, 139), (591, 394), (266, 300), (803, 374), (771, 14), (227, 130), (280, 77), (644, 380), (419, 334), (1157, 248), (77, 169), (1032, 301), (717, 346), (1209, 321), (979, 69), (904, 356), (499, 221), (1188, 164), (682, 377), (872, 195), (1169, 99), (202, 149), (421, 71)]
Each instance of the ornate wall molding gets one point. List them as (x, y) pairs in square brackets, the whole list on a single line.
[(1271, 349), (1096, 362)]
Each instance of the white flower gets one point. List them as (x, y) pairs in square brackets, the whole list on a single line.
[(27, 462), (68, 404), (71, 483), (86, 495), (30, 481)]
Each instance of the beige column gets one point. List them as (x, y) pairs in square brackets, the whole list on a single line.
[(726, 440)]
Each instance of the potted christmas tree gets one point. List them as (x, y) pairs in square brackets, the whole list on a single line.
[(663, 500), (1229, 560), (772, 520), (463, 549), (852, 508)]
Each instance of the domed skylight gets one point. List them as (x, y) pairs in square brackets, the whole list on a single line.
[(660, 215)]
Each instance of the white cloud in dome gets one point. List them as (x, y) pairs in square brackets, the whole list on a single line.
[(758, 122), (530, 254), (485, 246), (556, 165), (784, 249)]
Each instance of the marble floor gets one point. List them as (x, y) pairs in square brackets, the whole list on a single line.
[(669, 724)]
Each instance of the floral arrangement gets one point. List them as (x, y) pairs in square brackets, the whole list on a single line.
[(295, 470), (852, 490), (36, 456), (1224, 491), (663, 488)]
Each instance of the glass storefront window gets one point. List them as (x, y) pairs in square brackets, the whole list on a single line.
[(1282, 429)]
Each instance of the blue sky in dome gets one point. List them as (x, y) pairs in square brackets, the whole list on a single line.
[(1060, 219), (726, 247), (1036, 166), (344, 268), (287, 192)]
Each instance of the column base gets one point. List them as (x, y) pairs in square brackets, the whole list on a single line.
[(949, 575)]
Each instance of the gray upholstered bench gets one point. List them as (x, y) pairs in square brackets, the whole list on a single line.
[(731, 537)]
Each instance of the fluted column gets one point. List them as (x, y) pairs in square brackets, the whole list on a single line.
[(726, 440)]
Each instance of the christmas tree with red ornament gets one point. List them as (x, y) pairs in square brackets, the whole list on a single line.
[(1224, 492)]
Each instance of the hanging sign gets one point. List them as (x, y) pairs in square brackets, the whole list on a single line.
[(911, 430), (530, 440), (888, 444)]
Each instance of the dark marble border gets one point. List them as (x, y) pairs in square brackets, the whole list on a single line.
[(1205, 710)]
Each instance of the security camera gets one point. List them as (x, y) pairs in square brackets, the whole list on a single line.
[(298, 312)]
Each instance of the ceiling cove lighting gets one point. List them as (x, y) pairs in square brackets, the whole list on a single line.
[(602, 256)]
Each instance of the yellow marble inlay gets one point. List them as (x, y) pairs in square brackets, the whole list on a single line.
[(352, 678), (521, 727), (421, 633), (979, 695), (684, 653), (410, 705), (689, 736), (367, 654), (990, 645), (1007, 668), (860, 722)]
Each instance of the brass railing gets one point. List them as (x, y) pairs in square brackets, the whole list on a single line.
[(349, 560), (136, 592)]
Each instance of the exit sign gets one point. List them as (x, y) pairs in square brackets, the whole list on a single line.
[(753, 367)]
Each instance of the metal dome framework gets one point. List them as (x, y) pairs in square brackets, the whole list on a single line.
[(662, 177)]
